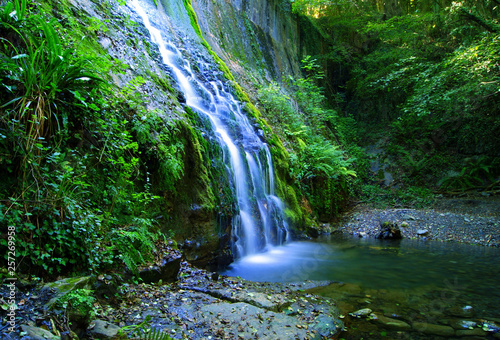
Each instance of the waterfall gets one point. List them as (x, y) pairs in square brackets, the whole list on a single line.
[(260, 221)]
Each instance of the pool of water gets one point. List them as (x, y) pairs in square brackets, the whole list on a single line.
[(455, 274)]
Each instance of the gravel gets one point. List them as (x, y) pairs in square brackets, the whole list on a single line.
[(471, 221)]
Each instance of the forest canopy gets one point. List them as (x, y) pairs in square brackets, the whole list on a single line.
[(426, 73)]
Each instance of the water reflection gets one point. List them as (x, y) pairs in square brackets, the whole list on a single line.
[(407, 265)]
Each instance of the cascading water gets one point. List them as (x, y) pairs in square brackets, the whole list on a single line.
[(260, 220)]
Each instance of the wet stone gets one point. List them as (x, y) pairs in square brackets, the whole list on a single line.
[(428, 328), (470, 332), (361, 313), (390, 322), (463, 324), (463, 312)]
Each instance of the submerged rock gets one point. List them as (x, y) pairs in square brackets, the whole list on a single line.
[(470, 332), (361, 312), (389, 322), (428, 328), (463, 324), (462, 312)]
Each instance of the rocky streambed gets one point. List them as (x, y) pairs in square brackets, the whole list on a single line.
[(186, 302), (471, 221), (199, 305)]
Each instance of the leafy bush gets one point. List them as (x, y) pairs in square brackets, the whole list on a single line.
[(313, 135), (79, 303), (75, 186)]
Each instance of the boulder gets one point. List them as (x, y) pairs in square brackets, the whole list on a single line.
[(389, 231), (63, 287), (100, 329), (360, 313), (167, 271)]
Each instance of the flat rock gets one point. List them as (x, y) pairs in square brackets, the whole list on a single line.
[(267, 324), (100, 329), (463, 324), (36, 333), (361, 312), (422, 232), (470, 332), (433, 329), (390, 323)]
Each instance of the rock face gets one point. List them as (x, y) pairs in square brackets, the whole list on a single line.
[(257, 35)]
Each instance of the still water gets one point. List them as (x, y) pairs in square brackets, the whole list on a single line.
[(472, 273)]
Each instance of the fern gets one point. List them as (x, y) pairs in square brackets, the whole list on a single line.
[(154, 334), (134, 245), (144, 331)]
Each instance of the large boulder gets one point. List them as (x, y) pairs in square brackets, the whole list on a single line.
[(166, 272), (62, 287), (389, 231)]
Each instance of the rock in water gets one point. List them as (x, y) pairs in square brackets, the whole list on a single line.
[(389, 231), (390, 323), (427, 328), (360, 313)]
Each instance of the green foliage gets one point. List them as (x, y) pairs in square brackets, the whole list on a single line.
[(79, 302), (143, 331), (135, 244), (425, 72), (410, 197), (477, 172), (76, 183), (313, 135)]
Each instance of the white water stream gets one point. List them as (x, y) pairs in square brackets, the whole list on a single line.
[(259, 223)]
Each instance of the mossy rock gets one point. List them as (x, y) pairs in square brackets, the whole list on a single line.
[(62, 287)]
